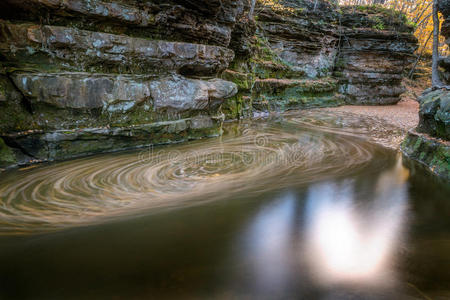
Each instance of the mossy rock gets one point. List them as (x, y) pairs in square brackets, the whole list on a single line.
[(238, 107), (244, 81), (64, 144), (7, 156), (431, 152), (435, 114), (14, 115)]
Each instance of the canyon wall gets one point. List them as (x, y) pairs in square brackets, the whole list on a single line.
[(376, 47), (429, 143), (79, 77), (315, 54), (85, 76)]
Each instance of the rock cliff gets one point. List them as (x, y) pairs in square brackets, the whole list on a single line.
[(315, 54), (376, 45), (86, 76)]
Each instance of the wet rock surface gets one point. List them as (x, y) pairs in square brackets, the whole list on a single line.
[(432, 152), (52, 145)]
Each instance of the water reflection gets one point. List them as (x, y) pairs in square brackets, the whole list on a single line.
[(340, 236), (268, 245), (365, 235), (257, 156)]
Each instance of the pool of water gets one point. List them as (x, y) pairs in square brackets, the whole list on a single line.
[(306, 205)]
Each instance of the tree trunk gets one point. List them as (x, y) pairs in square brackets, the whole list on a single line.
[(252, 8), (435, 79), (411, 73), (315, 5)]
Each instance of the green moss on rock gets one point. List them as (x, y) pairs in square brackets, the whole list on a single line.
[(435, 114), (280, 95), (7, 156), (431, 152), (63, 144)]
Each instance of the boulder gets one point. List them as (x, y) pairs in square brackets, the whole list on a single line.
[(106, 91), (434, 114), (431, 152)]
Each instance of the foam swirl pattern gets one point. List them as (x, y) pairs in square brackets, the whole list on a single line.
[(295, 149)]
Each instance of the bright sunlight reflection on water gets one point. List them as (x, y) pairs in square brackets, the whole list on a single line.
[(347, 243), (341, 240)]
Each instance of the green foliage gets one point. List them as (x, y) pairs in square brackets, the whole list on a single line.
[(378, 9), (387, 15), (411, 24), (378, 23)]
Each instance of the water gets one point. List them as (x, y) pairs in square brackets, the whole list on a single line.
[(306, 206)]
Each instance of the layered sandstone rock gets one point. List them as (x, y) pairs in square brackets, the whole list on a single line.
[(122, 92), (302, 34), (355, 55), (82, 50), (376, 47), (202, 21), (86, 76), (293, 54)]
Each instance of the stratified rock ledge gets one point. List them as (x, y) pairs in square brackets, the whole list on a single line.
[(432, 152)]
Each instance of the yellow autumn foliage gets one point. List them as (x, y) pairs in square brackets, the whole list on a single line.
[(418, 13), (275, 5)]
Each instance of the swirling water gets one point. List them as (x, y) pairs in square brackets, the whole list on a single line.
[(306, 205)]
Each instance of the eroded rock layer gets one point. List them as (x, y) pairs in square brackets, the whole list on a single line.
[(432, 152), (85, 76), (375, 49), (200, 21), (314, 54), (56, 47)]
